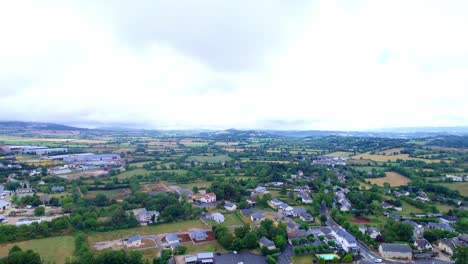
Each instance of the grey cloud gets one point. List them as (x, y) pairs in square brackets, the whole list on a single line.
[(225, 35)]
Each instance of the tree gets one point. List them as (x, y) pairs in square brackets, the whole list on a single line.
[(39, 211), (180, 250), (460, 255), (18, 256), (323, 219), (348, 258), (280, 242), (271, 260), (250, 240)]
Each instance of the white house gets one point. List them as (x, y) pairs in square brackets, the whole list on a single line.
[(230, 206), (4, 204), (134, 241), (305, 197), (208, 198), (395, 251), (217, 217), (261, 189), (454, 178), (275, 202), (347, 241), (265, 242), (144, 216), (422, 245), (256, 217)]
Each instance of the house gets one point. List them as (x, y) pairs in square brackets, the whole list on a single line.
[(345, 239), (198, 235), (134, 241), (306, 217), (442, 226), (386, 205), (205, 257), (252, 200), (396, 251), (394, 216), (449, 245), (185, 193), (230, 206), (260, 189), (191, 259), (256, 217), (275, 202), (305, 197), (246, 212), (208, 198), (363, 229), (144, 216), (373, 232), (173, 240), (217, 217), (422, 245), (4, 204), (297, 211), (454, 178), (285, 208), (277, 184), (304, 188), (449, 219), (265, 242), (418, 229), (57, 189)]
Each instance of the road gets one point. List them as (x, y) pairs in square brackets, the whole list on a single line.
[(367, 254)]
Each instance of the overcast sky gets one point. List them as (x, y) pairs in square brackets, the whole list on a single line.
[(165, 64)]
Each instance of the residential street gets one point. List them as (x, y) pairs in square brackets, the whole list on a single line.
[(369, 256)]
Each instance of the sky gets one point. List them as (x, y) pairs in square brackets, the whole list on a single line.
[(245, 64)]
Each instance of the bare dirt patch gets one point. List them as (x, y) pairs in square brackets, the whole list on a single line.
[(393, 178), (359, 220)]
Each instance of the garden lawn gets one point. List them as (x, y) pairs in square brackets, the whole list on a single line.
[(145, 230), (52, 249)]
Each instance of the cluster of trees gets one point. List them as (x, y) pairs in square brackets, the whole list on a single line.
[(17, 256), (397, 231), (245, 238), (84, 255)]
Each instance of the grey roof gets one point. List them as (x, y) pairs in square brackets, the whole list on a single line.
[(257, 215), (422, 242), (205, 255), (299, 210), (198, 235), (443, 226), (58, 188), (134, 238), (344, 234), (266, 242), (276, 200), (3, 203), (246, 211), (228, 204), (402, 248), (172, 237)]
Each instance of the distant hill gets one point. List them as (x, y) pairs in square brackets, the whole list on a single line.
[(35, 126)]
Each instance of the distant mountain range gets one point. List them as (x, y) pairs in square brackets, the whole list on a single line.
[(388, 132)]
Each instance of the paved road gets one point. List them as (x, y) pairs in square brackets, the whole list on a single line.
[(368, 255)]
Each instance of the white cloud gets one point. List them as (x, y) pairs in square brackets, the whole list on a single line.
[(330, 66)]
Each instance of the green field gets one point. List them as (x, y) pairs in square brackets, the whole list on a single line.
[(306, 259), (130, 173), (212, 246), (209, 159), (111, 194), (52, 250), (145, 230), (462, 187), (229, 220)]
